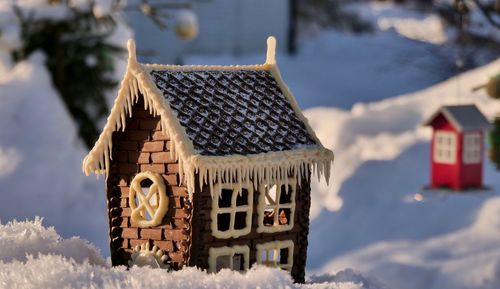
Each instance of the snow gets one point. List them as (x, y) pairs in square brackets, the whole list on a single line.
[(407, 21), (383, 130), (444, 241), (34, 256), (42, 153)]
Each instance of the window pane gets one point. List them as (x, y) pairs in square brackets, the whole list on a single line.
[(268, 217), (238, 262), (284, 216), (445, 147), (223, 262), (272, 256), (223, 221), (240, 221), (283, 258), (225, 198), (263, 257), (286, 195), (242, 198), (271, 195)]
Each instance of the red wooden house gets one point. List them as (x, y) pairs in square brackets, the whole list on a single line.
[(457, 147)]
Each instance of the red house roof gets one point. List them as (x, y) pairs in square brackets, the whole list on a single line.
[(462, 117)]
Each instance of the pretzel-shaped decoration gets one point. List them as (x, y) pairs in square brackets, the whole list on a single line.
[(145, 212)]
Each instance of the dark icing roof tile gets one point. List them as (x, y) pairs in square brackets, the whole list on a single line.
[(233, 111)]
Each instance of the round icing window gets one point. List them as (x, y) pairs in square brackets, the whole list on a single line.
[(147, 199)]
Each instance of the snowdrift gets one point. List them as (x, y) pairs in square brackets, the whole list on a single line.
[(382, 159), (33, 256)]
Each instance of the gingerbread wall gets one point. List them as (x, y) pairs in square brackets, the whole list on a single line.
[(203, 239), (143, 147)]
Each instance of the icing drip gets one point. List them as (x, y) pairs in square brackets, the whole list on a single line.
[(267, 168)]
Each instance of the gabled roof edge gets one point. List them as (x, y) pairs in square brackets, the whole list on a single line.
[(134, 84), (446, 114), (451, 118), (293, 102)]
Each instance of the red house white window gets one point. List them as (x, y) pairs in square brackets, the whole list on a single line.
[(472, 148), (445, 147)]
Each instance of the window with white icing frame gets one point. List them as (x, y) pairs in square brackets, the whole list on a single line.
[(445, 147), (276, 254), (471, 152), (276, 207), (231, 210), (234, 258)]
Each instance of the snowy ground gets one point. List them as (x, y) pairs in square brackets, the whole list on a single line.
[(445, 241), (33, 256)]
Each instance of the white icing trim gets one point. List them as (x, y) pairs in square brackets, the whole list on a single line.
[(174, 67), (214, 253), (275, 72), (262, 206), (231, 232), (139, 210), (135, 83), (260, 168), (271, 50), (276, 246), (265, 168)]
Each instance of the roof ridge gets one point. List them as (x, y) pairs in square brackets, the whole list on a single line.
[(194, 67)]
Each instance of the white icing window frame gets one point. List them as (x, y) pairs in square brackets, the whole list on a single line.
[(232, 210), (445, 147), (471, 149), (214, 253), (276, 246), (262, 206)]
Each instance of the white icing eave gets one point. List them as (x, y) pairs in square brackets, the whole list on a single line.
[(265, 168), (260, 168), (135, 83)]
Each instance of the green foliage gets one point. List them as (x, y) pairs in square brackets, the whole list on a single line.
[(495, 143), (79, 60), (493, 87)]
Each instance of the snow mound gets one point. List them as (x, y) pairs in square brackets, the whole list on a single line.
[(19, 240), (405, 20), (383, 130), (40, 157), (32, 256), (439, 240)]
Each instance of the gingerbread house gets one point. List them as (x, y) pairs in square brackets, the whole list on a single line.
[(208, 166)]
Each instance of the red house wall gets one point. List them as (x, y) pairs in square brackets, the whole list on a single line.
[(471, 175), (445, 175)]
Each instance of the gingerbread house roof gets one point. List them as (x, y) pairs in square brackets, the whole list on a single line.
[(227, 123), (232, 112)]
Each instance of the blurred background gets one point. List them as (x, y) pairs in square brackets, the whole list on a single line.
[(366, 73)]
